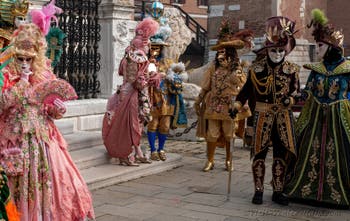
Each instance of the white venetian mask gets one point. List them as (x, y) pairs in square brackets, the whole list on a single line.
[(276, 54), (321, 50), (19, 20), (24, 63)]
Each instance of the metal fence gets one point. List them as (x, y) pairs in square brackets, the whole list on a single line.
[(80, 61)]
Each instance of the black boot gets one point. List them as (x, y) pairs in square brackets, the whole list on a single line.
[(278, 180), (280, 198), (258, 169), (258, 197)]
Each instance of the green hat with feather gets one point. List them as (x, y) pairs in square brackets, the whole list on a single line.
[(325, 32)]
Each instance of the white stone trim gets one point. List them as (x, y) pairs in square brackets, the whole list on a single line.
[(198, 16)]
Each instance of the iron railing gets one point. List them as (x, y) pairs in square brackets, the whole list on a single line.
[(80, 60), (195, 27)]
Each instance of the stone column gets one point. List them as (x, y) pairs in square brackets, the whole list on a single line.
[(117, 29), (37, 4)]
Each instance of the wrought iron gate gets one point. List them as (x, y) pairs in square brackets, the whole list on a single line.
[(80, 61)]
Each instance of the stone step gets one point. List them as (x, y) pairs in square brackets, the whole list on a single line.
[(85, 114), (83, 139), (65, 127), (109, 174), (89, 157)]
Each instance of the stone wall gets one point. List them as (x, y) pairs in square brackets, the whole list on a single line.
[(117, 29), (181, 35)]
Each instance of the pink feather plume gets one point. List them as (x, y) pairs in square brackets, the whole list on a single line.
[(42, 17), (147, 28)]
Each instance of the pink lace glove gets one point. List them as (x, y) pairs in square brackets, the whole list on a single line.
[(26, 73), (57, 109)]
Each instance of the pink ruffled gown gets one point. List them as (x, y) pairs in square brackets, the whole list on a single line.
[(129, 108), (51, 187), (122, 124)]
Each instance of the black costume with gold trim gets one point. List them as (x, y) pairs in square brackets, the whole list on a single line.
[(270, 84)]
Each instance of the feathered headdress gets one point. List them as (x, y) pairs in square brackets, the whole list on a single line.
[(146, 28), (226, 38), (325, 32), (279, 33), (246, 36), (161, 36), (42, 17), (27, 40)]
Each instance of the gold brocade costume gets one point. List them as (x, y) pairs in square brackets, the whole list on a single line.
[(161, 110), (220, 86)]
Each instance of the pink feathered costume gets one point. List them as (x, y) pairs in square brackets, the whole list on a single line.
[(129, 107), (51, 187)]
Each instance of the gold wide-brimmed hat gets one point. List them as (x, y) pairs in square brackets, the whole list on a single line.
[(235, 43), (226, 38)]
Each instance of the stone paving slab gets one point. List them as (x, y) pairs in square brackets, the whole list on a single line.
[(187, 194)]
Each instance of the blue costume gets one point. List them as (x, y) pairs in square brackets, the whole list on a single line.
[(322, 170)]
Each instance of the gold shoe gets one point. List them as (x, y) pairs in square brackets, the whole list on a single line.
[(228, 165), (142, 160), (154, 156), (127, 162), (162, 155), (208, 166)]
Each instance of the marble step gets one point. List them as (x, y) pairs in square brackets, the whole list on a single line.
[(65, 127), (109, 174), (83, 139), (89, 157)]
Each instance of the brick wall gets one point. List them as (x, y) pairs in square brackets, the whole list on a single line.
[(249, 13), (338, 13)]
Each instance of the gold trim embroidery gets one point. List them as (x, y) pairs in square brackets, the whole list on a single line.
[(278, 174), (330, 164), (258, 169), (314, 160)]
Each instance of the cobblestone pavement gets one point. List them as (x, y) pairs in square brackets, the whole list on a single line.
[(188, 194)]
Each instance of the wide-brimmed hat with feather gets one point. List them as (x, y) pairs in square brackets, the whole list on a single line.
[(226, 37), (325, 32), (279, 33)]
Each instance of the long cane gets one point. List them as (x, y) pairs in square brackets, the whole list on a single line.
[(232, 143)]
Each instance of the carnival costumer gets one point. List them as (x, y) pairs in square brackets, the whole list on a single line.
[(222, 82), (44, 182), (163, 98), (322, 171), (129, 108), (13, 13), (273, 82)]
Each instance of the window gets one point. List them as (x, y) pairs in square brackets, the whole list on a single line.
[(178, 1), (203, 2)]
